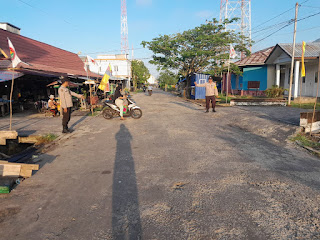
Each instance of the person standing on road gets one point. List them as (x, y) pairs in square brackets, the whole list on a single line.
[(150, 90), (211, 93), (66, 104)]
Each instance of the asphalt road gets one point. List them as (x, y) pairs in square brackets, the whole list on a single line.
[(176, 173)]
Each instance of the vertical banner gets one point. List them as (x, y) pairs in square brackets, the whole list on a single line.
[(303, 69)]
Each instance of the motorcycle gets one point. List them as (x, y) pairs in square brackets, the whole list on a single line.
[(111, 110), (144, 89)]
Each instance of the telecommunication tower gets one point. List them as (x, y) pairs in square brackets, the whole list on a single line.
[(237, 9), (124, 28)]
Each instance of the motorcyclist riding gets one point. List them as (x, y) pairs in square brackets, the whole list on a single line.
[(118, 99)]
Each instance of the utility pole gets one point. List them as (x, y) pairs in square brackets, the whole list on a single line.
[(293, 53)]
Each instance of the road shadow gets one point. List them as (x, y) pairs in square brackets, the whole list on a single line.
[(126, 222), (78, 121)]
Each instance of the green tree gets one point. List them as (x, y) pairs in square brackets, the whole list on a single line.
[(140, 73), (196, 50), (167, 77)]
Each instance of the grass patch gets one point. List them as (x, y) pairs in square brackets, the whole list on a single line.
[(305, 105), (306, 140), (223, 98), (47, 138), (98, 109)]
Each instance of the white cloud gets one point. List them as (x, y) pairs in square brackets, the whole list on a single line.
[(206, 14), (144, 2)]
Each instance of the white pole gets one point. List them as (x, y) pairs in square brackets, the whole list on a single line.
[(293, 52), (10, 128)]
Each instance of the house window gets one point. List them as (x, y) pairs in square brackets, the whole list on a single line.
[(202, 81), (115, 68), (316, 77), (303, 79)]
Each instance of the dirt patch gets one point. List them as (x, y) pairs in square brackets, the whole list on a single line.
[(8, 212)]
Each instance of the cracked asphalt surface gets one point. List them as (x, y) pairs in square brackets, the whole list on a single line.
[(176, 173)]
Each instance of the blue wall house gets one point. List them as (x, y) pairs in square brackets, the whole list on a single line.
[(257, 76)]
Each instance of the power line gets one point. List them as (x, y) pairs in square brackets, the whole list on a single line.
[(310, 6), (305, 30), (273, 33), (312, 15), (273, 18), (272, 26), (28, 4), (278, 15)]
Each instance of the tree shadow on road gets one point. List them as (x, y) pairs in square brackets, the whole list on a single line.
[(126, 222)]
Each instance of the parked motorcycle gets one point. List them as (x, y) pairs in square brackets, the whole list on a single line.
[(111, 110)]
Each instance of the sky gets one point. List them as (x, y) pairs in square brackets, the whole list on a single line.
[(93, 27)]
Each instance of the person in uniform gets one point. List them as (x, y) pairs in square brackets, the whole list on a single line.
[(66, 103), (211, 93)]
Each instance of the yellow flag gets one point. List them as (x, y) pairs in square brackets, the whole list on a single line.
[(104, 85), (303, 69)]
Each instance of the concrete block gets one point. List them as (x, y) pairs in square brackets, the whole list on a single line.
[(9, 134), (29, 139), (306, 120)]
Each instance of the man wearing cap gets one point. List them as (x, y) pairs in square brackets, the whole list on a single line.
[(211, 92), (66, 102)]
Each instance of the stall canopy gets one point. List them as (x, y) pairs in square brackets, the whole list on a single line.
[(7, 75), (41, 58)]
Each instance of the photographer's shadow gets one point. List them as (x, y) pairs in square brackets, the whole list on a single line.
[(126, 222)]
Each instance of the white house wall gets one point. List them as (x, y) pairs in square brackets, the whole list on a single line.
[(271, 80), (309, 88), (119, 67)]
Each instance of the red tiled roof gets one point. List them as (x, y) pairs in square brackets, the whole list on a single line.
[(42, 56), (257, 58)]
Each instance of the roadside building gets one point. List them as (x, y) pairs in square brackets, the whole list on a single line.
[(257, 75), (41, 65), (281, 57), (152, 80), (120, 66)]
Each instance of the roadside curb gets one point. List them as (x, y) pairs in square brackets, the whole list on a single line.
[(310, 149), (60, 139)]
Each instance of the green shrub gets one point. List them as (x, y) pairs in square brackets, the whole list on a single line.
[(275, 91)]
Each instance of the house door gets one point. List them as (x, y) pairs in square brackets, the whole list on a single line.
[(282, 75), (237, 83)]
